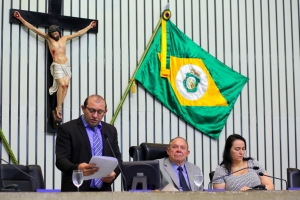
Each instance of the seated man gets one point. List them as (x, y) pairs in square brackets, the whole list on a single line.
[(174, 166)]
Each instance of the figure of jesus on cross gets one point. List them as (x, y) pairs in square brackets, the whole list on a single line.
[(60, 68)]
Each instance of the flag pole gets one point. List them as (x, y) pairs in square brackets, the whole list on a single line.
[(7, 147), (132, 79)]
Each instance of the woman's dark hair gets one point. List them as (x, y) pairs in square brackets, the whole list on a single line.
[(227, 160)]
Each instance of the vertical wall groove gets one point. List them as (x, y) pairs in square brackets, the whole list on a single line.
[(263, 89), (278, 77), (255, 72), (286, 85), (294, 76)]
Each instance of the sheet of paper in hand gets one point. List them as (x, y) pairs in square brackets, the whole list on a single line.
[(106, 165)]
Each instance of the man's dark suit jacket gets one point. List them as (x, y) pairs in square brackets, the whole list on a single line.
[(73, 147)]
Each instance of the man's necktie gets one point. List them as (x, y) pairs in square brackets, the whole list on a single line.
[(97, 152), (183, 184)]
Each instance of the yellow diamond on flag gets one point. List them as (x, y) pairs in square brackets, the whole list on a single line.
[(193, 84)]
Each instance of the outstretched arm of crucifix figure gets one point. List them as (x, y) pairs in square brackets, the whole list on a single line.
[(82, 31), (30, 26)]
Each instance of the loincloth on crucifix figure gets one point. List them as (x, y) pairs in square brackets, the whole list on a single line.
[(61, 74), (60, 68)]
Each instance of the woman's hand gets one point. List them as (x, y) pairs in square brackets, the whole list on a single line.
[(245, 188)]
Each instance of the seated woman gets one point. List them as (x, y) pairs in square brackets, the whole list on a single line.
[(243, 176)]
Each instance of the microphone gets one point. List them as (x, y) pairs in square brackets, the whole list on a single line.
[(262, 174), (210, 183), (36, 184), (105, 136)]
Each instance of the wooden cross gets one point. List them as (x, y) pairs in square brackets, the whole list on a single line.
[(45, 20)]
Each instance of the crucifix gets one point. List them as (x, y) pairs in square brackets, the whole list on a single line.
[(58, 79)]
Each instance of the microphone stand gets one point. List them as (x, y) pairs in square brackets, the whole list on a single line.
[(105, 136), (210, 183)]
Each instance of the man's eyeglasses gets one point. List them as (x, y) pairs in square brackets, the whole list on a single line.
[(93, 111)]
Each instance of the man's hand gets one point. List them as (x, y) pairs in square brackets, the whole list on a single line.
[(17, 15), (88, 169), (110, 178), (93, 24)]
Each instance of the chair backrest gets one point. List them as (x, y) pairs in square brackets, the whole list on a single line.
[(293, 177), (29, 183), (148, 151), (211, 175)]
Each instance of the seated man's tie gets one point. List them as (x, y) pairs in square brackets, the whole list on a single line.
[(183, 184)]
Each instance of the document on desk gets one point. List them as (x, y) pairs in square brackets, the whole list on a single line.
[(106, 165), (169, 188)]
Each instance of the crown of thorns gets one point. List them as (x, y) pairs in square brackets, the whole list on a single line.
[(53, 28)]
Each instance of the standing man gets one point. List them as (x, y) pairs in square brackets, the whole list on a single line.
[(60, 68), (80, 139), (172, 166)]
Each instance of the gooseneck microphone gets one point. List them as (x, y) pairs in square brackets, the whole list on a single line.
[(105, 136), (286, 185), (210, 183), (36, 184)]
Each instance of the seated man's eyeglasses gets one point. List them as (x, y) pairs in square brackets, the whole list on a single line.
[(92, 111)]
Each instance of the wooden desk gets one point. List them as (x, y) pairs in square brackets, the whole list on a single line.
[(252, 195)]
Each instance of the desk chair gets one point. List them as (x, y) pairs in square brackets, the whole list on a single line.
[(211, 175), (148, 151), (10, 176), (293, 177)]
